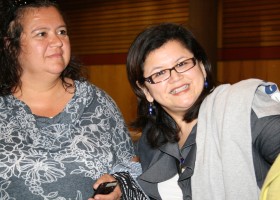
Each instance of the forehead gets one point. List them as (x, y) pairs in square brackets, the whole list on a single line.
[(31, 17), (169, 52)]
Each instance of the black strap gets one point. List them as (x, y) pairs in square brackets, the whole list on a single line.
[(130, 188)]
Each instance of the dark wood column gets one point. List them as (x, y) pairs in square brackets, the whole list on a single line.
[(203, 23)]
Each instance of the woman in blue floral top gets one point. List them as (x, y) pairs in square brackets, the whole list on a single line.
[(58, 132)]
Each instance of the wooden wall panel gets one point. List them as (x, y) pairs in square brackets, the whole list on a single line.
[(251, 23), (101, 32), (109, 26), (113, 79), (249, 40), (234, 71)]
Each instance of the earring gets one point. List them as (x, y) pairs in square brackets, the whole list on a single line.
[(205, 83), (151, 109)]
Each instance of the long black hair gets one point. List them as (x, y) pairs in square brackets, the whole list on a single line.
[(161, 127)]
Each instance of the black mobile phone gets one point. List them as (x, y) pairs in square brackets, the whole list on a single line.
[(105, 188)]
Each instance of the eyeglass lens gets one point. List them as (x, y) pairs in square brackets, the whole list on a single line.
[(166, 73)]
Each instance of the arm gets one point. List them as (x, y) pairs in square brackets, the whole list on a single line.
[(127, 188), (267, 136), (266, 143), (122, 145), (125, 167)]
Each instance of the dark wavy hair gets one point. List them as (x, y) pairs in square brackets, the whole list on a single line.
[(10, 47), (161, 127)]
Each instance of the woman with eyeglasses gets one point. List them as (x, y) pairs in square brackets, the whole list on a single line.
[(198, 141), (58, 132)]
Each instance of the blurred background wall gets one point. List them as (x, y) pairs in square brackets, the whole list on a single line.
[(241, 38)]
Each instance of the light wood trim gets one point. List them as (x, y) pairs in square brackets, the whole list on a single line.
[(234, 71), (113, 80)]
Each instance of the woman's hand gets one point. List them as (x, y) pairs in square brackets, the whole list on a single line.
[(135, 159), (115, 195)]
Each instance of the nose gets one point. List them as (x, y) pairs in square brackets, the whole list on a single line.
[(56, 41)]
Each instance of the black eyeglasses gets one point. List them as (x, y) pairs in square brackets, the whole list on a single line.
[(165, 74)]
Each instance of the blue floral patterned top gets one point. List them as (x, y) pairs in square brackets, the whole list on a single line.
[(61, 157)]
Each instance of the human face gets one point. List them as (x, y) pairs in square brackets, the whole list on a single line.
[(178, 93), (45, 46)]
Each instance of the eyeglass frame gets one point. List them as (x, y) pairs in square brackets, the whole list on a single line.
[(151, 81)]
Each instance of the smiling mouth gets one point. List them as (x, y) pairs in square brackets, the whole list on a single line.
[(180, 89)]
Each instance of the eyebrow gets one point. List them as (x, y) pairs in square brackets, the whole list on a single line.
[(176, 62), (46, 28)]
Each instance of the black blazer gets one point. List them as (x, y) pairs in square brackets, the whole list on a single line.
[(162, 164)]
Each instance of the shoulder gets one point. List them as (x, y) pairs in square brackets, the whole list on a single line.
[(244, 86), (88, 88), (263, 97), (95, 95), (8, 102), (266, 100), (146, 152), (246, 89), (270, 189)]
